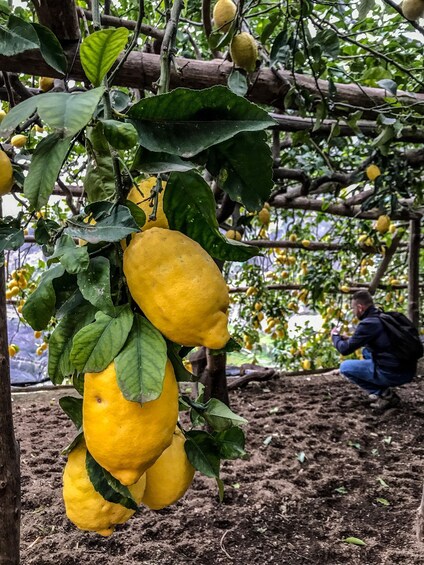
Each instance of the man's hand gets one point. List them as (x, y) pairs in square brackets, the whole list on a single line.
[(335, 331)]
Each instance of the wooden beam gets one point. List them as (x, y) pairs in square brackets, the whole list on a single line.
[(113, 21), (142, 70), (285, 244), (414, 272), (61, 17)]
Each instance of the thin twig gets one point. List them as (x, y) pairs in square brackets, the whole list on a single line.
[(221, 543), (168, 47)]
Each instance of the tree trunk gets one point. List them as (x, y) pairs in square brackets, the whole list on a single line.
[(10, 502), (215, 377), (414, 272)]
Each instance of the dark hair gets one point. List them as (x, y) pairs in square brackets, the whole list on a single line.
[(363, 297)]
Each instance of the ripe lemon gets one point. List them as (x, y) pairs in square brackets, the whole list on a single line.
[(2, 115), (178, 287), (224, 13), (141, 199), (233, 234), (168, 479), (413, 9), (264, 216), (46, 83), (372, 172), (85, 507), (306, 364), (18, 140), (383, 224), (126, 437), (244, 51), (6, 174)]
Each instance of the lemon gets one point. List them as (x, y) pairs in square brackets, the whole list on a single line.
[(140, 196), (46, 83), (372, 172), (306, 242), (264, 216), (251, 291), (168, 479), (345, 288), (18, 140), (2, 115), (85, 507), (178, 287), (233, 234), (383, 224), (126, 437), (6, 174), (293, 237), (244, 51), (306, 364), (224, 13), (13, 350), (412, 9)]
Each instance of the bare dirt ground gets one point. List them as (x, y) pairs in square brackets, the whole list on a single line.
[(361, 476)]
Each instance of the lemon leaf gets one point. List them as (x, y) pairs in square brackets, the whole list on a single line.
[(97, 344), (100, 50), (40, 305), (94, 284), (72, 407), (106, 485), (74, 259), (140, 366), (220, 416), (231, 443), (202, 452), (354, 541)]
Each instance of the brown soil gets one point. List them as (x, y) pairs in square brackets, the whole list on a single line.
[(276, 509)]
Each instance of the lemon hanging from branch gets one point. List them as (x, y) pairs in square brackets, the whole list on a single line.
[(6, 174), (244, 51), (224, 13)]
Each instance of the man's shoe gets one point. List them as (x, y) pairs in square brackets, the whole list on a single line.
[(389, 399)]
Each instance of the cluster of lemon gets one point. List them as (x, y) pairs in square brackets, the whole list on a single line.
[(182, 293), (243, 48)]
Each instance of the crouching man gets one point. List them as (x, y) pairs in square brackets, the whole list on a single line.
[(380, 370)]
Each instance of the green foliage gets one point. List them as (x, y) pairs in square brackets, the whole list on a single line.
[(100, 50)]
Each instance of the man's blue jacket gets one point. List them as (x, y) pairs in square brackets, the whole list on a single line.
[(371, 333)]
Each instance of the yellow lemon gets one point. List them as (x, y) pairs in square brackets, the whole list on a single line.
[(244, 51), (233, 234), (251, 291), (306, 242), (264, 216), (383, 224), (224, 13), (293, 237), (140, 196), (372, 172), (345, 288), (18, 140), (13, 350), (46, 83), (178, 287), (126, 437), (170, 476), (85, 507), (306, 364), (6, 174), (2, 115)]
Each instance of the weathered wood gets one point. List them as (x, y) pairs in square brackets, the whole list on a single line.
[(113, 21), (142, 70), (382, 268), (215, 380), (10, 501), (336, 209), (414, 271), (267, 373), (61, 17), (285, 244)]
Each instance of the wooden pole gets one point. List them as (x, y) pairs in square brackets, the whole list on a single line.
[(10, 484), (385, 263), (414, 271)]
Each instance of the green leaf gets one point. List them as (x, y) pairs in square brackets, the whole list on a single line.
[(354, 541), (11, 236), (46, 164), (237, 82), (99, 180), (202, 452), (220, 417), (72, 407), (74, 259), (65, 112), (97, 345), (51, 49), (140, 367), (181, 373), (389, 85), (100, 50), (154, 163), (231, 443), (383, 501), (94, 284), (106, 485), (115, 224), (60, 342), (365, 6), (69, 113), (39, 307), (245, 166), (121, 135), (67, 450), (18, 37), (137, 213), (185, 122), (190, 208)]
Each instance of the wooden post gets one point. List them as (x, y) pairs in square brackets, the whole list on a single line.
[(414, 271), (10, 484), (216, 380), (385, 263)]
